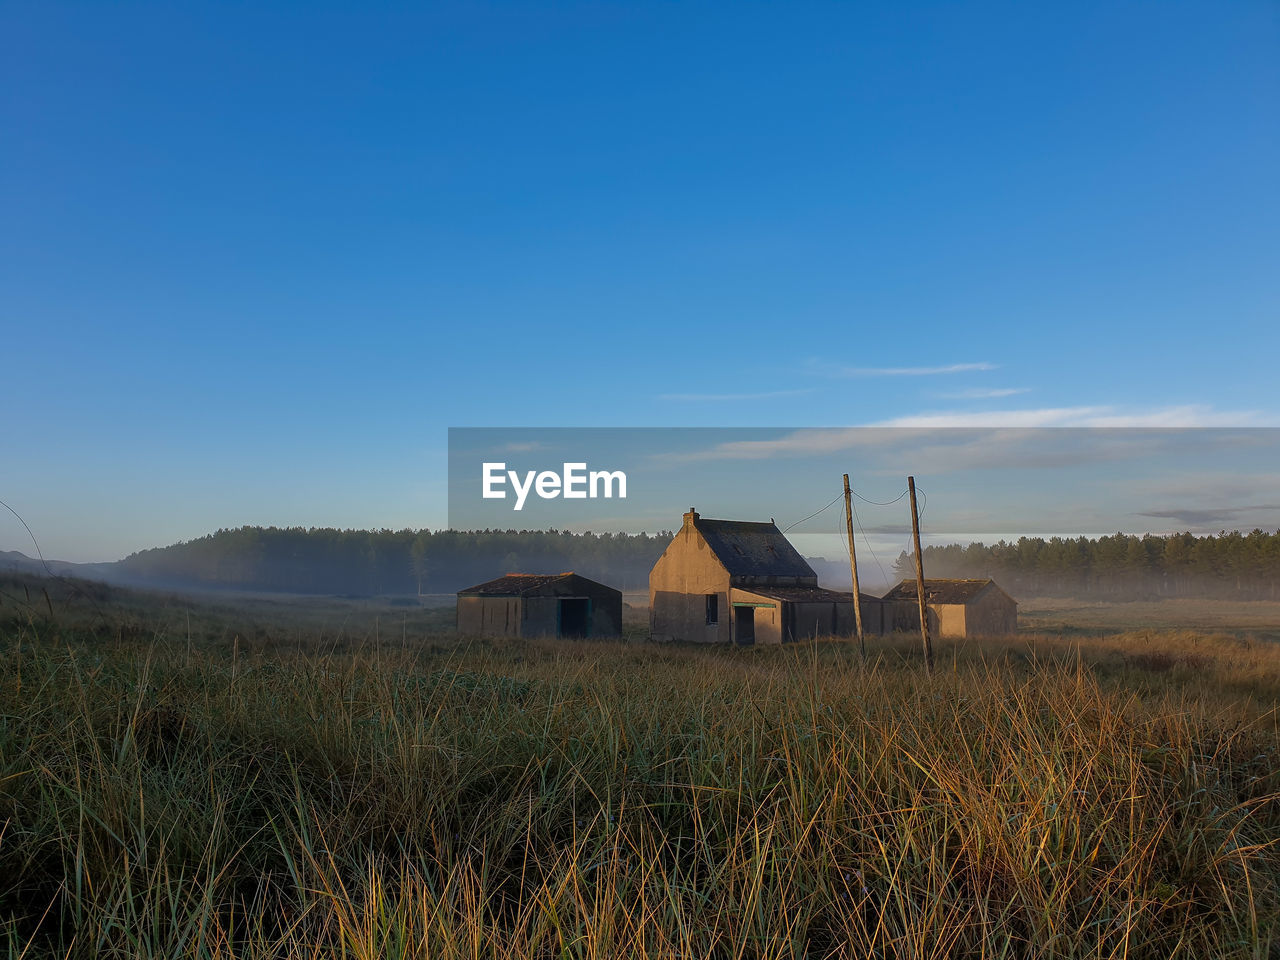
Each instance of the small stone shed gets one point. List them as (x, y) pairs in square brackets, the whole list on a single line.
[(722, 581), (957, 608), (540, 605)]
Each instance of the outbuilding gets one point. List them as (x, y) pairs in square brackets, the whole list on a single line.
[(743, 581), (957, 608), (540, 604)]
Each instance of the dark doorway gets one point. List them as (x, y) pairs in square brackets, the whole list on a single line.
[(575, 617), (744, 624)]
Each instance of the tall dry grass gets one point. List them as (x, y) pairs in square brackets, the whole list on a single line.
[(1116, 799)]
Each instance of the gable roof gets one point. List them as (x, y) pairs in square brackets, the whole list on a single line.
[(750, 549), (941, 591), (513, 584)]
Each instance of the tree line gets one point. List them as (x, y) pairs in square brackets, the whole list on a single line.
[(368, 562), (1230, 564)]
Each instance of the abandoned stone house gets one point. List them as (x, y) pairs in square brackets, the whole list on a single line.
[(540, 604), (956, 608), (743, 581)]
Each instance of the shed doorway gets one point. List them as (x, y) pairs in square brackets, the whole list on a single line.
[(575, 616), (788, 623), (744, 625)]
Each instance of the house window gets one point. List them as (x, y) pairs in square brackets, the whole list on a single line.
[(713, 609)]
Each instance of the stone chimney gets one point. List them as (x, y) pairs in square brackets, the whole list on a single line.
[(690, 517)]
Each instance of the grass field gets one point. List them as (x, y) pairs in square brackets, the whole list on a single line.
[(1259, 620), (256, 777)]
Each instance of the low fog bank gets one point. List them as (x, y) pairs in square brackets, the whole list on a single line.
[(1122, 567)]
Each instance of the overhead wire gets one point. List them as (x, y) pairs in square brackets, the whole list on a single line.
[(858, 523), (879, 503), (867, 541), (924, 502), (814, 514)]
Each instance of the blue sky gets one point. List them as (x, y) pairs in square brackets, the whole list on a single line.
[(255, 259)]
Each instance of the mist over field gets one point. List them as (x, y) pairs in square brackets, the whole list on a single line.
[(1230, 565)]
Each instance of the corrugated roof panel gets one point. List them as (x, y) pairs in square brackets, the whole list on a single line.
[(939, 591), (513, 584)]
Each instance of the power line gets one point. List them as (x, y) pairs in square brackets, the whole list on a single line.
[(867, 541), (879, 503), (924, 502), (858, 522), (814, 514)]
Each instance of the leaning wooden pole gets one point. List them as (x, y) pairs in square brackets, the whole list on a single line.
[(924, 610), (853, 568)]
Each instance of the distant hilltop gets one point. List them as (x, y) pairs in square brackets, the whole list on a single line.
[(20, 562)]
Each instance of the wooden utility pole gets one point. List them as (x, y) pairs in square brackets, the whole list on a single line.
[(853, 568), (924, 610)]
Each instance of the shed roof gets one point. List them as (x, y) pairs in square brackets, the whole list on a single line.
[(513, 584), (752, 549), (807, 594), (941, 591)]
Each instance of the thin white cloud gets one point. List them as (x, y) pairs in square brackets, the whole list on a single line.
[(1045, 417), (1190, 415), (1184, 416), (968, 439), (806, 442), (985, 393), (768, 395), (909, 371)]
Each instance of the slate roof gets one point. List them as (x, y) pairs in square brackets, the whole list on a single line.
[(751, 549), (513, 584), (940, 591), (807, 594)]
